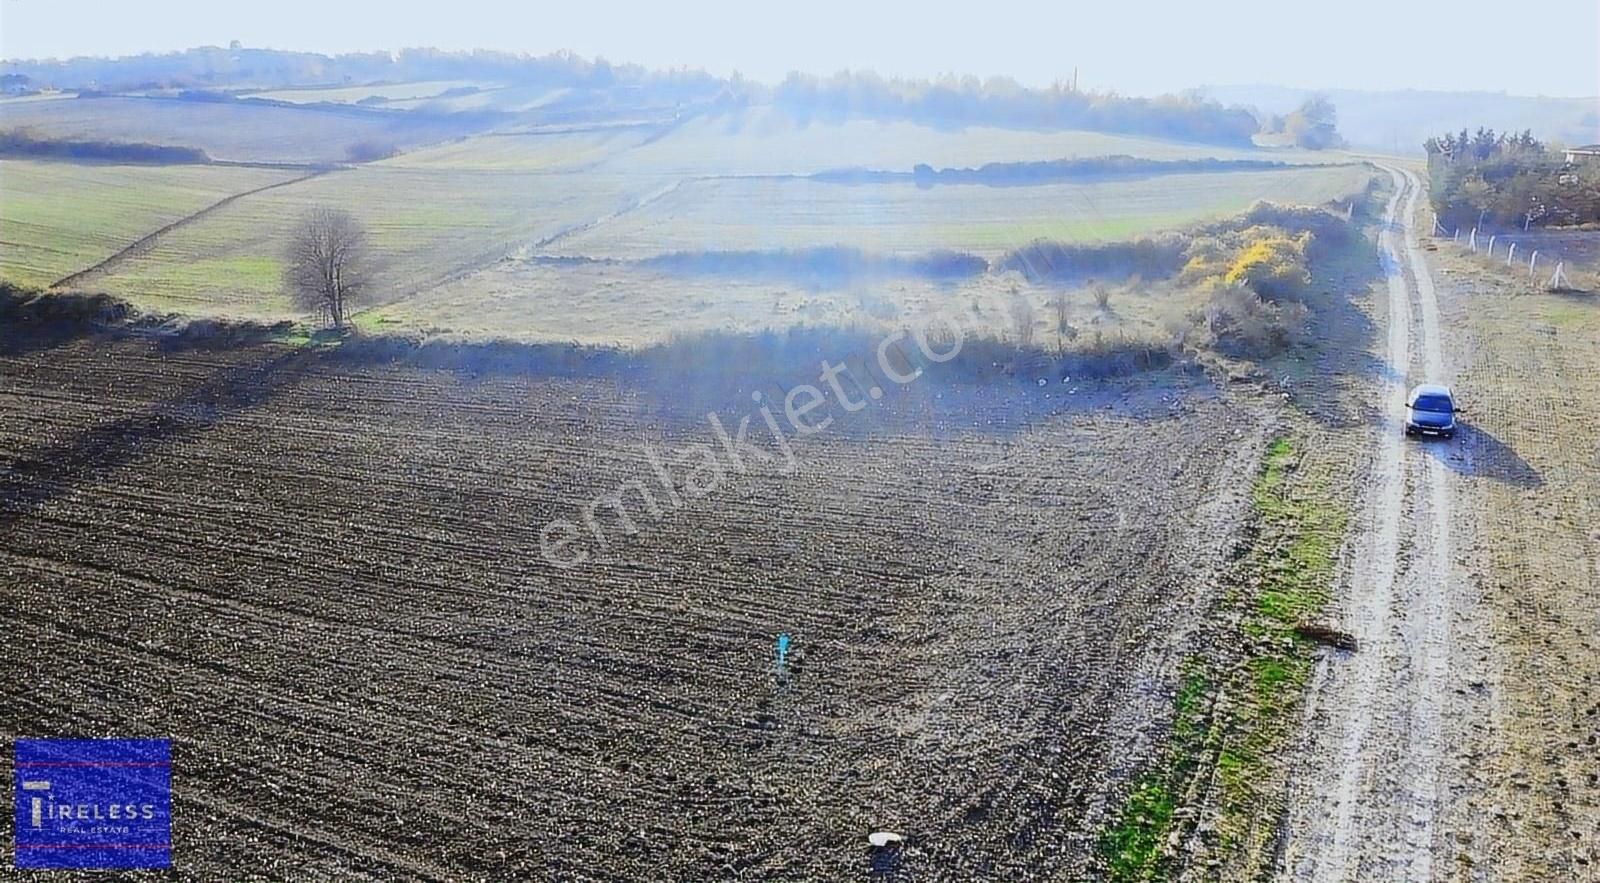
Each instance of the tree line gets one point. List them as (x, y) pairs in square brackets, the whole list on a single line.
[(1002, 102), (27, 144), (1032, 172), (949, 101), (1508, 179)]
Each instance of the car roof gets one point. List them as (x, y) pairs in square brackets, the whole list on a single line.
[(1431, 389)]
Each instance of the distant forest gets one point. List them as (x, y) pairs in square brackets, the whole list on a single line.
[(945, 102)]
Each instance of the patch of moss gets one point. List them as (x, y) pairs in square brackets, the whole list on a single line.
[(1133, 847), (1298, 529)]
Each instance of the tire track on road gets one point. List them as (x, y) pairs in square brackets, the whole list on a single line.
[(1374, 578), (1368, 805), (1429, 621)]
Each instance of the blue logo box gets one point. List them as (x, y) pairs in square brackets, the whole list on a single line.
[(93, 803)]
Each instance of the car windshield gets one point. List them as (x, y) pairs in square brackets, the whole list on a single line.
[(1439, 404)]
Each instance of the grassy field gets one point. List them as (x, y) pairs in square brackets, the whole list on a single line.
[(719, 146), (425, 226), (445, 217), (16, 100), (758, 214), (61, 217), (551, 151), (231, 131), (490, 97), (352, 94), (767, 142)]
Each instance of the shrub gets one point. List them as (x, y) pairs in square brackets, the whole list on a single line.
[(1327, 229), (1274, 267), (1241, 324), (1022, 318), (821, 264), (21, 306), (24, 143), (369, 151), (1205, 258), (1154, 257), (944, 263)]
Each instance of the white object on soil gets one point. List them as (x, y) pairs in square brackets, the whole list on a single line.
[(884, 838)]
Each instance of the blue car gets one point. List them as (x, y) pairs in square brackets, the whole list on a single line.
[(1431, 410)]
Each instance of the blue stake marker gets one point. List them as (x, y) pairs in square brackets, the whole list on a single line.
[(782, 649)]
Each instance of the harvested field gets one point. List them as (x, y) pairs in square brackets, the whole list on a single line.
[(770, 142), (389, 92), (228, 130), (59, 218), (323, 581), (573, 150), (512, 99), (759, 214)]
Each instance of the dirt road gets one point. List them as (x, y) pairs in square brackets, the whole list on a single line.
[(1367, 804), (1460, 742)]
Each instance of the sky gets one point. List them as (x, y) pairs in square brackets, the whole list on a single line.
[(1135, 48)]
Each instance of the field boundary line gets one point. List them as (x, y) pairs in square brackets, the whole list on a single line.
[(527, 251), (513, 251), (280, 166), (636, 204), (144, 242)]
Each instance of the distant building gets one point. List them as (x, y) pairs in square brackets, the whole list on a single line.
[(1588, 154)]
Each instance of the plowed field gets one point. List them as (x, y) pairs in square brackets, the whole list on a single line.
[(324, 582)]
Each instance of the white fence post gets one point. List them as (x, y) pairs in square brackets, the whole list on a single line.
[(1558, 278), (1491, 246), (1472, 241), (1511, 253), (1532, 262)]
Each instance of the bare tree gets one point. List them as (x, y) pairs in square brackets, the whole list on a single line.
[(328, 266)]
